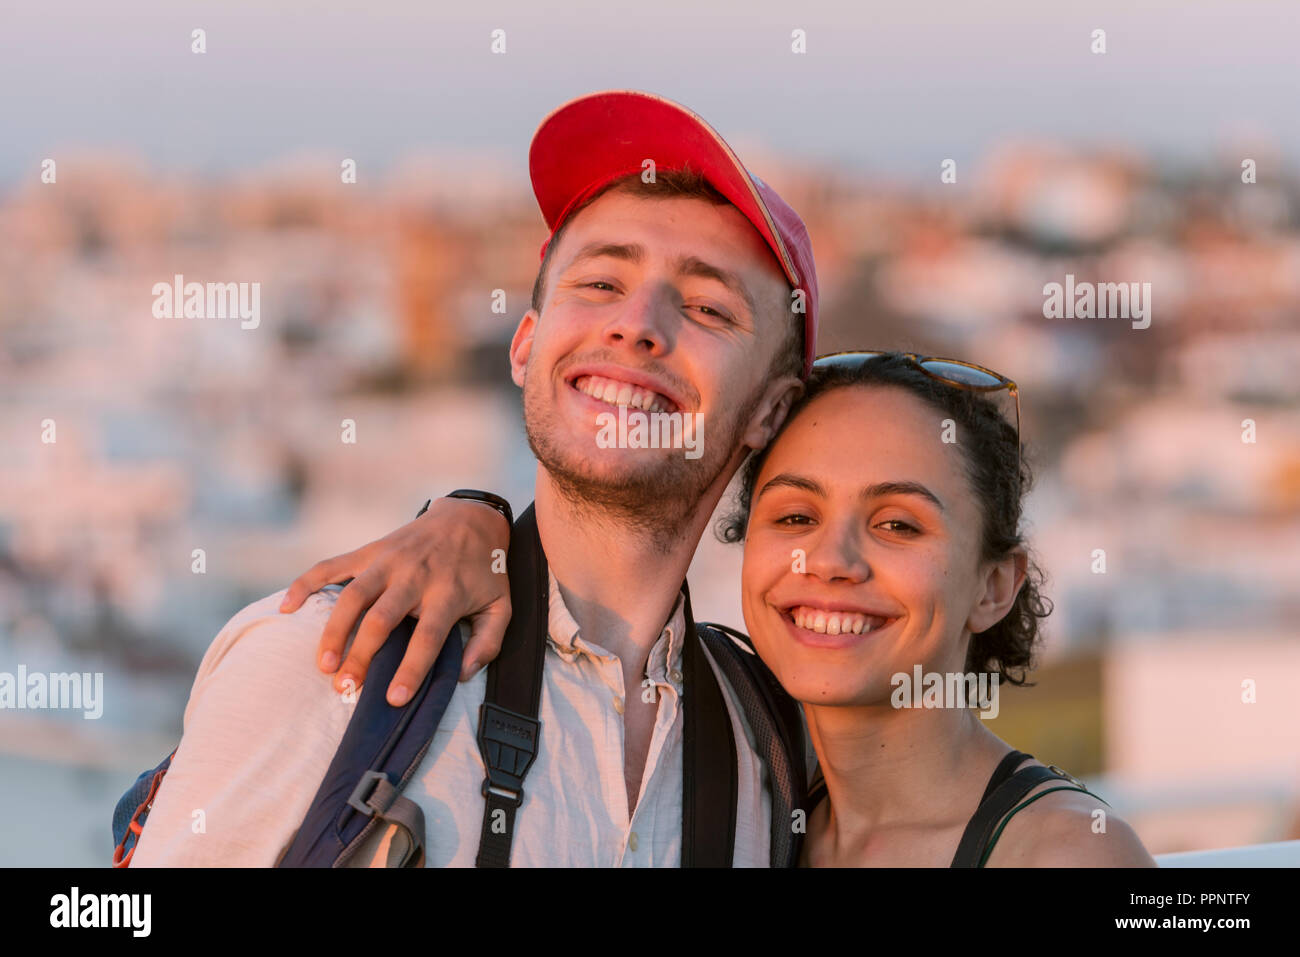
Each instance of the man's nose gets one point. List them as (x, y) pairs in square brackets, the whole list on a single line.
[(644, 320)]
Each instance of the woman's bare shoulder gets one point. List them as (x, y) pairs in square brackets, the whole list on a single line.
[(1068, 828)]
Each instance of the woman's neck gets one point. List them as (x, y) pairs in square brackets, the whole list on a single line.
[(887, 767)]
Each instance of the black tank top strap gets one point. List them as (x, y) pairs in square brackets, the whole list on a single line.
[(1006, 767), (1007, 788)]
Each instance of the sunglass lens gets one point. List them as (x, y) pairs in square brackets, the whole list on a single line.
[(847, 360), (961, 373)]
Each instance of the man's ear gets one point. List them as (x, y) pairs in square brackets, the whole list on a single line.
[(771, 411), (1001, 583), (521, 344)]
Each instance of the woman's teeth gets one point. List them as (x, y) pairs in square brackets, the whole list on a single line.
[(620, 393), (834, 622)]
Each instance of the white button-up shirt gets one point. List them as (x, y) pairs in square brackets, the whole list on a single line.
[(263, 723)]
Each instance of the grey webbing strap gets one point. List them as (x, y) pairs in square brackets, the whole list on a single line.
[(386, 804)]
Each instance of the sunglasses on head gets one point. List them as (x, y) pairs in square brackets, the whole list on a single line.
[(954, 372)]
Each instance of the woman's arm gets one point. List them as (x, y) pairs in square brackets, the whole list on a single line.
[(443, 566)]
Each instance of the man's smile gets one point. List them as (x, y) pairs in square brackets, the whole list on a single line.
[(615, 392), (617, 386)]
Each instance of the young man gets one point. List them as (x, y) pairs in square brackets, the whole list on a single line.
[(662, 291)]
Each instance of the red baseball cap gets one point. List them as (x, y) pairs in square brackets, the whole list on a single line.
[(597, 138)]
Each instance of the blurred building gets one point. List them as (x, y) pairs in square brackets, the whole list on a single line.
[(377, 308)]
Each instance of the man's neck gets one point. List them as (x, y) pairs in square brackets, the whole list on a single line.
[(619, 583)]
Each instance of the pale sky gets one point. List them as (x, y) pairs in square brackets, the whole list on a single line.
[(883, 86)]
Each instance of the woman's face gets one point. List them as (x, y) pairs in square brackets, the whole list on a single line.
[(862, 556)]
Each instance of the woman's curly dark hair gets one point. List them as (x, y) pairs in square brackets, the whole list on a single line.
[(989, 444)]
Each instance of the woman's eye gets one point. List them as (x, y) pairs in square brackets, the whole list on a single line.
[(789, 520), (900, 526)]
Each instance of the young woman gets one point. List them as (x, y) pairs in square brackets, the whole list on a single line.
[(881, 533), (882, 544)]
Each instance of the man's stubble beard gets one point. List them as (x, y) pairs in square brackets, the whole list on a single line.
[(660, 498)]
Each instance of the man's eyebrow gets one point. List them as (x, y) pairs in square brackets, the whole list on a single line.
[(879, 490), (629, 252)]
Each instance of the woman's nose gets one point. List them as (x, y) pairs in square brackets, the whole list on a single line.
[(839, 553)]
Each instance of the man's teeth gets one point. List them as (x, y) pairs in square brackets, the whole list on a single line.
[(834, 622), (620, 393)]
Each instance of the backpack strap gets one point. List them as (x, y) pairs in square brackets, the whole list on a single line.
[(709, 777), (775, 720), (508, 729), (1001, 801), (377, 756)]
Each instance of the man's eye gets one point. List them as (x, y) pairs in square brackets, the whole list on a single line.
[(599, 284), (710, 311)]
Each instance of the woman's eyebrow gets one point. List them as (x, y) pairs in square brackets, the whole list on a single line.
[(881, 489), (790, 480)]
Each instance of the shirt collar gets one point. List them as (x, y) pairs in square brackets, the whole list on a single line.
[(560, 626), (665, 659)]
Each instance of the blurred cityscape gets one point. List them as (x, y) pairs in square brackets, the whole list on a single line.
[(178, 434)]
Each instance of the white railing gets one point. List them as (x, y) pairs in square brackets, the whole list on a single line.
[(1281, 854)]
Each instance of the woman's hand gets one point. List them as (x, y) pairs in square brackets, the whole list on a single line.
[(438, 568)]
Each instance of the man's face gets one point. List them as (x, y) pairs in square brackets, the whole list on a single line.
[(670, 306)]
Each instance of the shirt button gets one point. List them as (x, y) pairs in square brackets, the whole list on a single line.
[(631, 841), (675, 675), (618, 706)]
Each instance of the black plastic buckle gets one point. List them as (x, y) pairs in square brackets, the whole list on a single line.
[(507, 741), (361, 793)]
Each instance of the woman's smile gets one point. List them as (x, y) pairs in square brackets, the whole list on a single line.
[(832, 625)]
